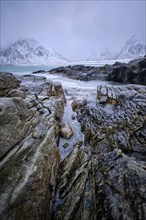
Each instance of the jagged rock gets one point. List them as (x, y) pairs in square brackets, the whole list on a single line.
[(29, 154), (73, 117), (142, 63), (129, 73), (17, 93), (66, 131), (77, 103), (39, 71), (82, 72), (14, 122), (58, 90), (142, 76), (66, 145), (133, 72), (106, 178), (7, 83)]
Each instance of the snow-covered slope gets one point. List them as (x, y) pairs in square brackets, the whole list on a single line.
[(133, 48), (29, 51), (108, 55)]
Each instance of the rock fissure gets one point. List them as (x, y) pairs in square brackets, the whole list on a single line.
[(73, 156), (30, 155), (115, 190)]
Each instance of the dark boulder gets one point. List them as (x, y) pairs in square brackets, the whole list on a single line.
[(118, 72), (7, 82), (39, 71)]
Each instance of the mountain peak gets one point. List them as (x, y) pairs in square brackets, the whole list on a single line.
[(31, 42), (134, 47), (135, 38), (29, 51)]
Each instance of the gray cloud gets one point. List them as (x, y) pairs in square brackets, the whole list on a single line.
[(78, 29)]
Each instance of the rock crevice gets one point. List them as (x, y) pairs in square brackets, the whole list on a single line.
[(30, 118), (101, 178), (106, 178)]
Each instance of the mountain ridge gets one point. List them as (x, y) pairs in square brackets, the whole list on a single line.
[(133, 48), (29, 51)]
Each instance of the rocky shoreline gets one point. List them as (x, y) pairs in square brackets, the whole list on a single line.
[(30, 118), (133, 72), (106, 180), (103, 177)]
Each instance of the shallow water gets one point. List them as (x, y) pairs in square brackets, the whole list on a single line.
[(73, 89), (24, 69), (78, 135)]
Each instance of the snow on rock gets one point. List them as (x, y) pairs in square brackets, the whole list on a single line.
[(29, 51)]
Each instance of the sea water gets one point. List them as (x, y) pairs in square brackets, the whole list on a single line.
[(66, 82), (73, 89)]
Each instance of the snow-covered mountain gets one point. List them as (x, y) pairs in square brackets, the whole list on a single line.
[(107, 55), (133, 48), (29, 51)]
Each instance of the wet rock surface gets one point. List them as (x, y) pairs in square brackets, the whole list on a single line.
[(7, 83), (98, 173), (105, 178), (30, 117), (81, 72), (133, 72), (66, 131)]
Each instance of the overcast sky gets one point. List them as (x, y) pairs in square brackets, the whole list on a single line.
[(77, 29)]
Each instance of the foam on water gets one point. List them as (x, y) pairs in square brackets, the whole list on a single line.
[(73, 89)]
